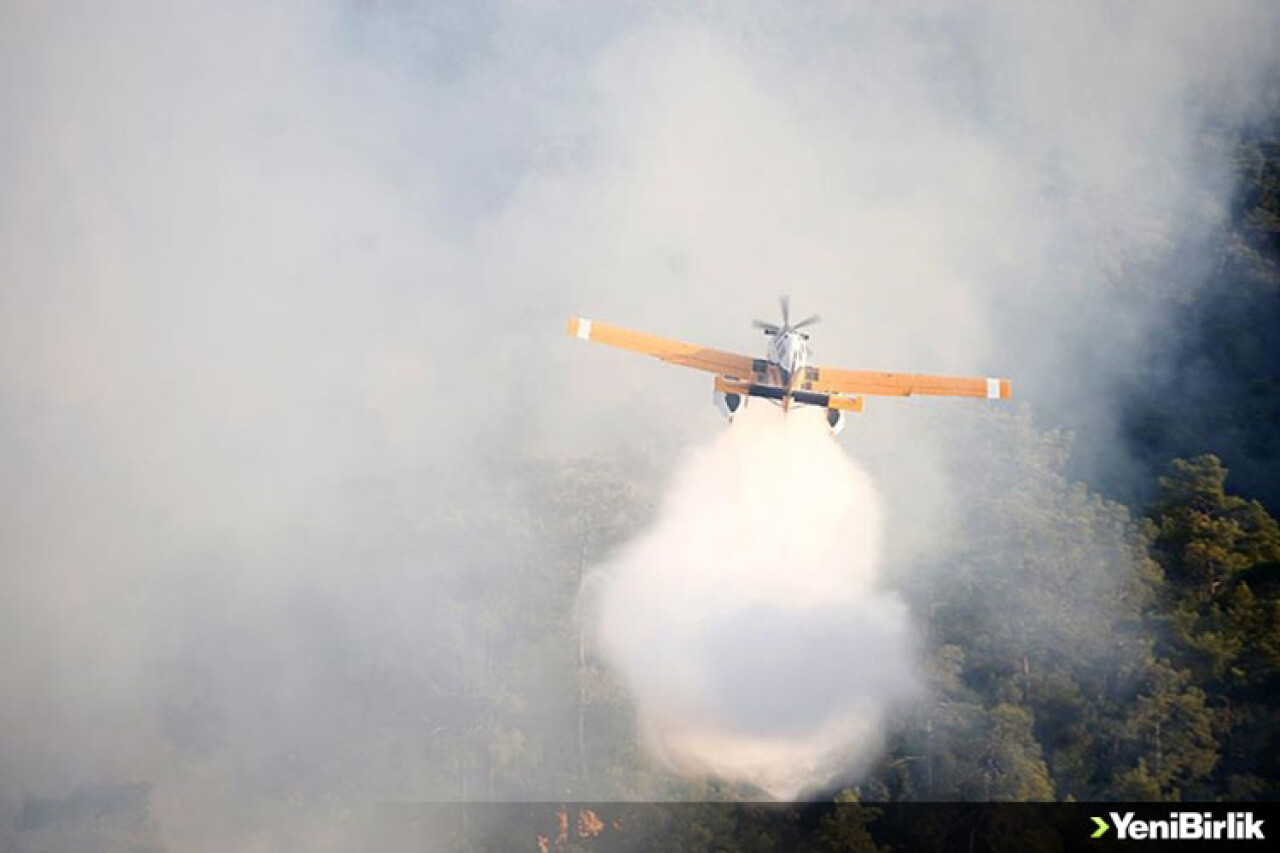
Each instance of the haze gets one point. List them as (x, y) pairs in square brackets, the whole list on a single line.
[(283, 287)]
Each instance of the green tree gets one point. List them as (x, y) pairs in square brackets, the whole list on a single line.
[(1219, 617), (845, 827), (1170, 731), (1205, 538)]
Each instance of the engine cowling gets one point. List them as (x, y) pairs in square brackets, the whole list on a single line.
[(728, 403)]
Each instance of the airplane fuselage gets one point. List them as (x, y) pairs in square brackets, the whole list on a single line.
[(789, 355)]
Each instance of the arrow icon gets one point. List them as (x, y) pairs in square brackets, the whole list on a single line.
[(1102, 828)]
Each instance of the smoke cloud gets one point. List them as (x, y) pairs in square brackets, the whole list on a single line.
[(749, 622)]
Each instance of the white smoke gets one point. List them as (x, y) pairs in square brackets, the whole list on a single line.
[(282, 284), (748, 622)]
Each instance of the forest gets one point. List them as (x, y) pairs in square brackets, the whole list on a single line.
[(1109, 643), (1128, 652), (1077, 648), (1087, 634)]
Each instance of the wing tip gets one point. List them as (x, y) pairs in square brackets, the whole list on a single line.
[(998, 388), (580, 327)]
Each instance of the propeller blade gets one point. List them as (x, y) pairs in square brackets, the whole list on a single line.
[(768, 328), (808, 321), (785, 302)]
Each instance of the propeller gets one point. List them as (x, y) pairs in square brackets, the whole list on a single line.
[(784, 302)]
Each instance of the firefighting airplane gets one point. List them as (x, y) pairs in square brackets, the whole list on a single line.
[(785, 375)]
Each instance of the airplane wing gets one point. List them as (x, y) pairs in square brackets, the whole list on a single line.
[(676, 352), (835, 381)]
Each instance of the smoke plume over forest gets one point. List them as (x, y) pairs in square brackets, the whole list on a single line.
[(302, 476)]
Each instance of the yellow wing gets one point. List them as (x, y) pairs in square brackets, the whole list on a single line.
[(676, 352), (835, 381)]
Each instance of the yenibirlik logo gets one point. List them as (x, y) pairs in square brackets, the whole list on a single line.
[(1183, 826)]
